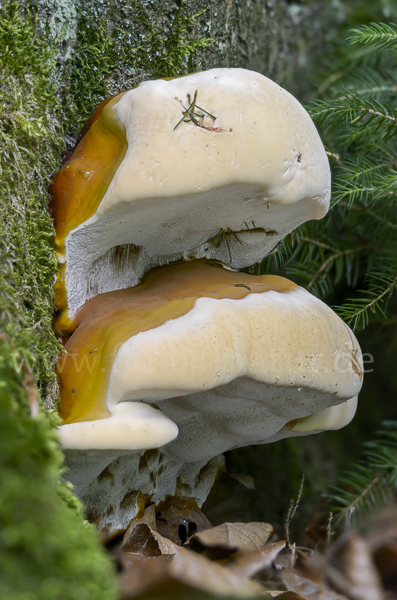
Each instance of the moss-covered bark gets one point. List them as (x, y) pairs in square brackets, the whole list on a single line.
[(58, 59), (46, 551), (107, 45)]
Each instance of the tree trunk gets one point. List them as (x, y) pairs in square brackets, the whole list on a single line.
[(58, 61)]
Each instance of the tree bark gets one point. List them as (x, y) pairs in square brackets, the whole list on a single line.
[(59, 59)]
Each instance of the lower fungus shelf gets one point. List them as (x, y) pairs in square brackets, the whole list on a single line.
[(195, 361)]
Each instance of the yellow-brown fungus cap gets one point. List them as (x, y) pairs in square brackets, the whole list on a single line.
[(231, 359)]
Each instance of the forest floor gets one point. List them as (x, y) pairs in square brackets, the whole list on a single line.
[(174, 553)]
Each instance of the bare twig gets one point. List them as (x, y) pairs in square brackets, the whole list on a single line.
[(326, 84), (333, 155), (329, 529), (316, 243), (293, 506), (377, 113)]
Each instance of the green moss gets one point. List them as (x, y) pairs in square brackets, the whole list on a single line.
[(171, 51), (46, 550), (29, 142), (99, 55)]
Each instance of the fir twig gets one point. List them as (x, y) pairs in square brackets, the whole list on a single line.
[(369, 212), (333, 258), (372, 482), (361, 313), (380, 35), (354, 246)]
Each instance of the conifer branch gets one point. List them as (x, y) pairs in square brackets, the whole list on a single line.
[(334, 257), (379, 35), (371, 213), (355, 243), (371, 483), (376, 300)]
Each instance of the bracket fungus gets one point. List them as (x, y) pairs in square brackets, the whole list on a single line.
[(202, 360), (167, 366), (221, 164)]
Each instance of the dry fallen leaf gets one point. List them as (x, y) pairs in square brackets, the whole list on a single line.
[(245, 480), (307, 588), (188, 569), (386, 561), (142, 538), (286, 559), (350, 565), (360, 579), (154, 567), (381, 535), (231, 537), (285, 596), (199, 572), (150, 561), (251, 563), (381, 530), (140, 574), (142, 541)]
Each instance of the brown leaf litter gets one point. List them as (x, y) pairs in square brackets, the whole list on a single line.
[(245, 560)]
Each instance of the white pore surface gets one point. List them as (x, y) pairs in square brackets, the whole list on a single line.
[(260, 177), (233, 372)]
